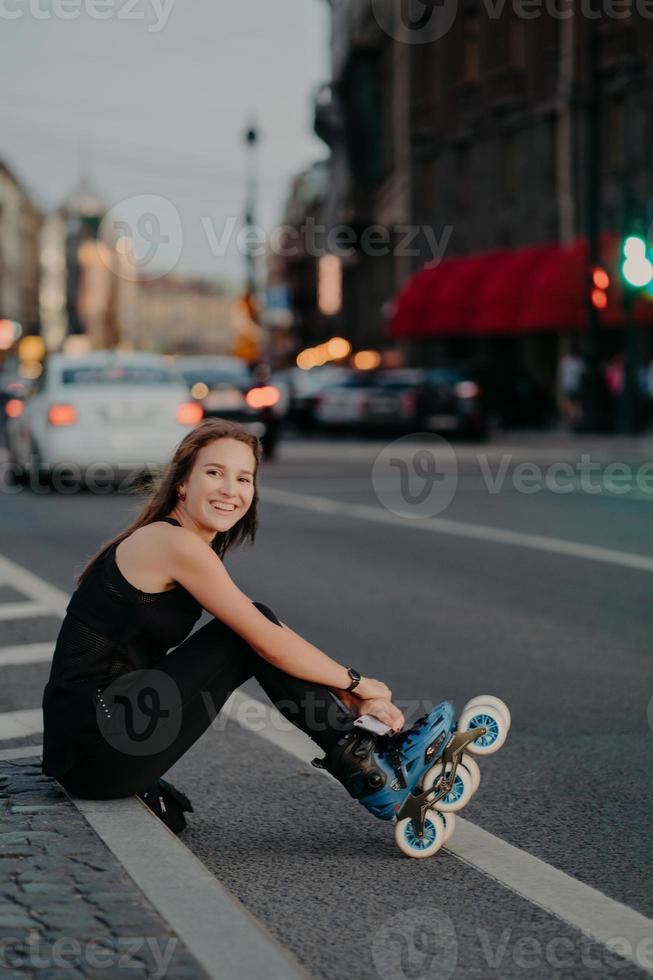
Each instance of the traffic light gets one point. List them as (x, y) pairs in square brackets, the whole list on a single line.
[(600, 286), (636, 268)]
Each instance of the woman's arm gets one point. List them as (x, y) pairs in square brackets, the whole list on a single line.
[(194, 564)]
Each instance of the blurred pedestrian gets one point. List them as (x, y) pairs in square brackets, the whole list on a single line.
[(571, 371), (615, 379)]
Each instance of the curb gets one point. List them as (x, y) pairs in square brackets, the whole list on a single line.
[(97, 879)]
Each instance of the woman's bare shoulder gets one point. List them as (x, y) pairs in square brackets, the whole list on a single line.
[(144, 555)]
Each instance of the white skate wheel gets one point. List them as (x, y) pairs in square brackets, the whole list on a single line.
[(493, 702), (470, 763), (461, 791), (489, 717), (450, 824), (435, 833)]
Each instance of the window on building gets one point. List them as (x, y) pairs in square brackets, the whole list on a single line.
[(516, 42), (614, 136), (471, 59), (509, 175)]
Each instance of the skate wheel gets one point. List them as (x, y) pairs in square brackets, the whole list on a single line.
[(475, 770), (450, 824), (493, 703), (487, 716), (461, 791), (435, 832)]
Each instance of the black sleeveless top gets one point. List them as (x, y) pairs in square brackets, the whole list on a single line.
[(110, 628)]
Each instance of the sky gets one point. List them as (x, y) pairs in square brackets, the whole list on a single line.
[(152, 99)]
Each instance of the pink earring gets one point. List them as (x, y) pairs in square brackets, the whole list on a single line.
[(182, 496)]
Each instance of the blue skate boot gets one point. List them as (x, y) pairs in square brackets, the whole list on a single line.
[(414, 778), (382, 771)]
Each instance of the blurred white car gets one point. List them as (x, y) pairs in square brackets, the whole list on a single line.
[(104, 411)]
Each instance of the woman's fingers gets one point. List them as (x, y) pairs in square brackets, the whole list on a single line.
[(384, 710)]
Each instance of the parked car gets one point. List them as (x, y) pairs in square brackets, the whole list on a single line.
[(108, 413), (452, 400), (304, 388), (222, 385), (447, 399), (340, 405)]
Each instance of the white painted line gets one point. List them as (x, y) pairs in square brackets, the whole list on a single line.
[(16, 724), (585, 908), (27, 653), (31, 585), (24, 752), (23, 610), (460, 529), (579, 905), (218, 931)]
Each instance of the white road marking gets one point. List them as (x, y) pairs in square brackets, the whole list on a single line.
[(27, 653), (39, 591), (23, 610), (215, 927), (460, 529), (585, 908), (16, 724)]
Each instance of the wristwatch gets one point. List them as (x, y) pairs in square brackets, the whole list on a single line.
[(355, 678)]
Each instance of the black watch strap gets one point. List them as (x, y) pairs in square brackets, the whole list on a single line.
[(355, 678)]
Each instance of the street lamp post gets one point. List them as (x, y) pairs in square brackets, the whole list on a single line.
[(251, 139)]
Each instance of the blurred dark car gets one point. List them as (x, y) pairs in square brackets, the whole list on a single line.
[(303, 388), (340, 404), (392, 399), (224, 387), (13, 392), (446, 399), (452, 400)]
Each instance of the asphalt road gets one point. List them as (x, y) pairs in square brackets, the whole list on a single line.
[(562, 635)]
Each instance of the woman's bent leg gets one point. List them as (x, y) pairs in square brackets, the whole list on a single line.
[(150, 718)]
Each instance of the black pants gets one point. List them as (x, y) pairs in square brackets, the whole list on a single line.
[(149, 719)]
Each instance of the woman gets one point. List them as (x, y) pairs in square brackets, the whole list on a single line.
[(118, 709)]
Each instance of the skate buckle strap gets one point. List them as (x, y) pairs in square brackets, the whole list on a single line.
[(394, 759)]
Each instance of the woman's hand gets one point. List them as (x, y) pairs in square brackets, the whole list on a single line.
[(368, 688), (383, 709)]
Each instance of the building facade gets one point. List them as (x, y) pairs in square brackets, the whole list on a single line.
[(20, 222), (495, 130)]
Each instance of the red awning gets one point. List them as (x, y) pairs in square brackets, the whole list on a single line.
[(542, 287)]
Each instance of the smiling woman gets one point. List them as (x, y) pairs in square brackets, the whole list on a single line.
[(118, 709)]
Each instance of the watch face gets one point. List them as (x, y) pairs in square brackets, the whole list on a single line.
[(355, 676)]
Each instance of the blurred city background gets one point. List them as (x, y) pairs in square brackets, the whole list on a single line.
[(425, 221), (408, 244)]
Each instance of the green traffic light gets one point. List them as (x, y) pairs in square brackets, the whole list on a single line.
[(637, 268)]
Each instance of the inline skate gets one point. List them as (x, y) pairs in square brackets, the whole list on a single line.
[(420, 778)]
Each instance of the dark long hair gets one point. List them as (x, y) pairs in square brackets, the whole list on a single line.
[(163, 489)]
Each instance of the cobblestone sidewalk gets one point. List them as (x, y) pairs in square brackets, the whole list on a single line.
[(68, 909)]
